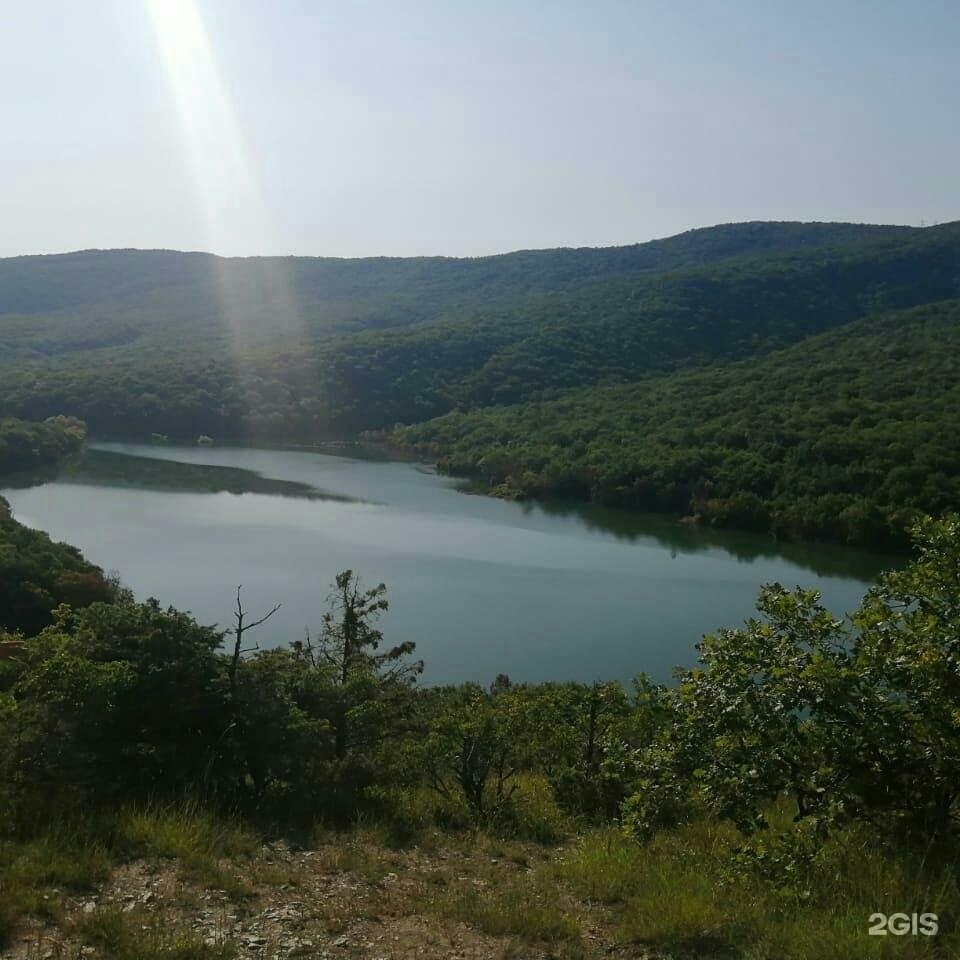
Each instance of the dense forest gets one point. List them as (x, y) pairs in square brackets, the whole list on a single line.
[(70, 303), (802, 776), (26, 446), (36, 574), (180, 376), (843, 436), (656, 368)]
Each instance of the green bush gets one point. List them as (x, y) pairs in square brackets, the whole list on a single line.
[(851, 720), (531, 812)]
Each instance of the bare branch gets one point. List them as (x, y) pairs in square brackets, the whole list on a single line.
[(238, 631), (256, 623)]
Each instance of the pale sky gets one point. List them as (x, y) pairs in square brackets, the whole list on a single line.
[(391, 127)]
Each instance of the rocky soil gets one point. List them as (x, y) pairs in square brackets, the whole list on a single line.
[(339, 901)]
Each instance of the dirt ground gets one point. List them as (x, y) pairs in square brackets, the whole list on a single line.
[(339, 901)]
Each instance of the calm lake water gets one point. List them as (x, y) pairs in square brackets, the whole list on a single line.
[(537, 591)]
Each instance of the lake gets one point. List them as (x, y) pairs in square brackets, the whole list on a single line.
[(537, 591)]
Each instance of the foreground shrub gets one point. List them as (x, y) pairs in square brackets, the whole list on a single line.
[(531, 812), (851, 719)]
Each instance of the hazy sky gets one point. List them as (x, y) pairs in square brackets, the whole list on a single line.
[(393, 127)]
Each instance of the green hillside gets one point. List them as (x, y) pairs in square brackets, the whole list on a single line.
[(173, 375), (624, 330), (839, 437), (98, 298)]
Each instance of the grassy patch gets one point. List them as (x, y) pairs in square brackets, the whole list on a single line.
[(182, 833), (686, 894), (513, 908), (119, 936), (216, 875), (679, 894), (78, 856), (33, 873), (363, 853), (201, 844), (276, 875)]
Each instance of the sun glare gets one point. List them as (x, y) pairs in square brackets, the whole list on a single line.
[(218, 155), (228, 192)]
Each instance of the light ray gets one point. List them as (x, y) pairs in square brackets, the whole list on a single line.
[(228, 192), (219, 158)]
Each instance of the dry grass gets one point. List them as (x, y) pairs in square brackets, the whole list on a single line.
[(200, 886), (679, 895), (34, 874), (126, 936), (531, 912)]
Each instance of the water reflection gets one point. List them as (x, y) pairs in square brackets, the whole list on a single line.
[(827, 560), (108, 468), (156, 470)]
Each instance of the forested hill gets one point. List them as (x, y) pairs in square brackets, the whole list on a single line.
[(844, 436), (108, 297), (625, 329), (169, 373)]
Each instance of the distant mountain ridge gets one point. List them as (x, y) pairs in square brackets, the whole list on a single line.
[(51, 282)]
